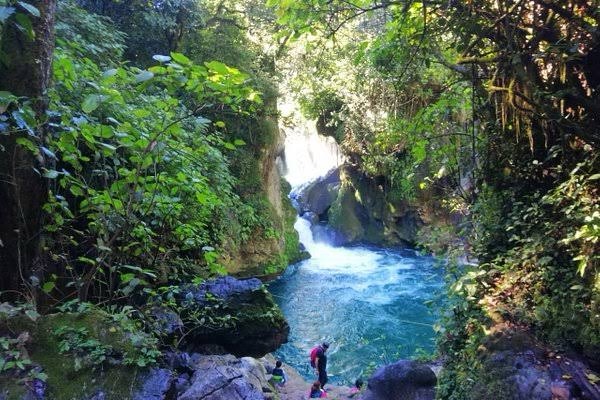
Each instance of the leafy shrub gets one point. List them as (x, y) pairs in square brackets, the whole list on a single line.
[(141, 177)]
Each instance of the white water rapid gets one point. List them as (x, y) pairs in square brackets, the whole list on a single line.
[(307, 154)]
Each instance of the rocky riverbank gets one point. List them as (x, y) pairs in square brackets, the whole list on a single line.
[(87, 352)]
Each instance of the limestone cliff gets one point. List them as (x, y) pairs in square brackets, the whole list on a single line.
[(274, 243)]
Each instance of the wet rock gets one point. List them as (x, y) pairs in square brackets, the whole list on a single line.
[(326, 234), (403, 380), (318, 196), (311, 217)]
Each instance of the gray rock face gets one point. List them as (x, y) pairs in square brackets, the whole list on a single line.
[(318, 196), (157, 384), (357, 208), (364, 212), (226, 288), (403, 380), (226, 377), (529, 375), (311, 217), (519, 367)]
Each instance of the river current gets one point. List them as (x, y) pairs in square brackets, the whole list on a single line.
[(367, 302)]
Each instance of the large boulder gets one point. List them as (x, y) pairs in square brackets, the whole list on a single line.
[(156, 384), (364, 211), (227, 377), (319, 195), (239, 315), (512, 364), (517, 366), (403, 380)]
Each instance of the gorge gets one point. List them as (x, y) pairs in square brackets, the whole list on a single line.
[(150, 249)]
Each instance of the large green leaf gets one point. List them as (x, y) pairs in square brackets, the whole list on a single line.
[(180, 59), (218, 67), (6, 12), (30, 9), (24, 24), (90, 103)]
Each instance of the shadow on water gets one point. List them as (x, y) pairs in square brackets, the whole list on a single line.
[(367, 302)]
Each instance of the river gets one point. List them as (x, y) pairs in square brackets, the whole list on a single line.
[(367, 302)]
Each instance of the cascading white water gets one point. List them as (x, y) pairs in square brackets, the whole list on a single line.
[(325, 257), (307, 154)]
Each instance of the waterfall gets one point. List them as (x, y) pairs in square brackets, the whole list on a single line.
[(307, 155), (302, 226)]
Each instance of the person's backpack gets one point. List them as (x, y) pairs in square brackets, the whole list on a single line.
[(278, 376), (313, 355)]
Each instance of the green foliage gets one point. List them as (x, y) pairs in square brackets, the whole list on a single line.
[(18, 14), (540, 270), (126, 339), (15, 361), (134, 160), (552, 261), (86, 352), (17, 117), (89, 35), (170, 21), (132, 152), (156, 162), (453, 114), (326, 107)]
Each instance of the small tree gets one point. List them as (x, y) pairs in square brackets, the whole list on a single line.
[(26, 48)]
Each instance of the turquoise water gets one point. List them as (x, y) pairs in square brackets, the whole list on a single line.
[(367, 302)]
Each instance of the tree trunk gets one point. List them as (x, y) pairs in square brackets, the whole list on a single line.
[(23, 191)]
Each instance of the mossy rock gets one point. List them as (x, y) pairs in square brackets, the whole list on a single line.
[(65, 382), (239, 315), (343, 215), (363, 212)]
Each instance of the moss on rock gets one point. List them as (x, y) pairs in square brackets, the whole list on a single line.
[(343, 216), (65, 381)]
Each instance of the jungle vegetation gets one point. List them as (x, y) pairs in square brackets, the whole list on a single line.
[(128, 161)]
